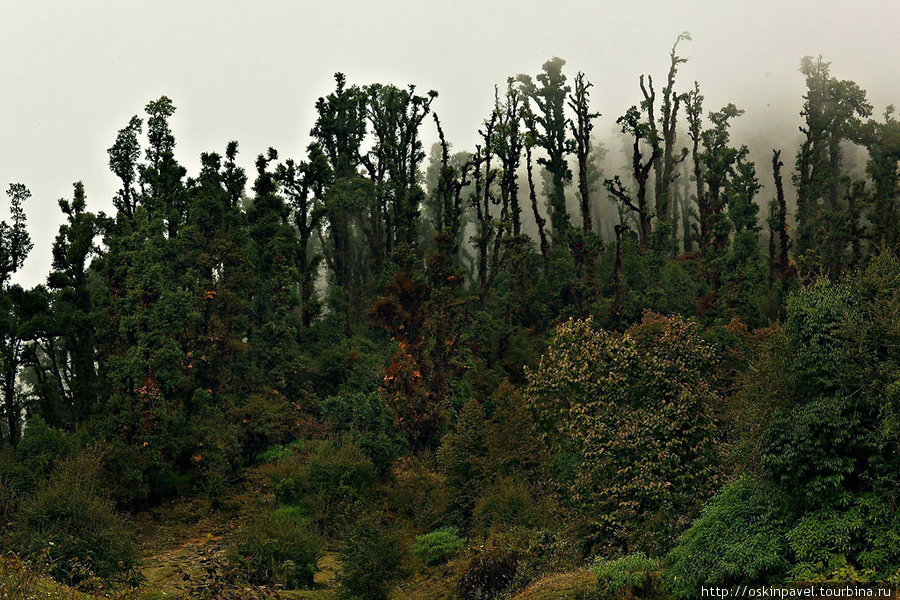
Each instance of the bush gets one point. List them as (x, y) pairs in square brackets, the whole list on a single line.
[(70, 526), (267, 419), (439, 546), (365, 419), (372, 558), (488, 574), (508, 503), (37, 452), (277, 547), (331, 473), (639, 412), (740, 538), (419, 493), (631, 576), (336, 469)]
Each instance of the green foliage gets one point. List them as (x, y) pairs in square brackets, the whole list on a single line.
[(509, 503), (815, 450), (739, 538), (639, 413), (855, 539), (631, 576), (816, 325), (419, 493), (279, 452), (330, 478), (37, 453), (73, 529), (267, 419), (438, 547), (277, 547), (372, 557), (368, 423)]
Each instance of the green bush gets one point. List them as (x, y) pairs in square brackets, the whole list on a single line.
[(277, 547), (739, 538), (630, 576), (419, 493), (372, 558), (266, 419), (332, 472), (37, 452), (438, 547), (71, 527), (365, 419), (508, 503)]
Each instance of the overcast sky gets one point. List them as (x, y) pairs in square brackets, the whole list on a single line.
[(74, 71)]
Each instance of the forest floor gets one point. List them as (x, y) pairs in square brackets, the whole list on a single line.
[(185, 541)]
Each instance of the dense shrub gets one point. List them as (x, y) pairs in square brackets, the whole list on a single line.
[(69, 525), (266, 419), (366, 421), (740, 538), (277, 547), (372, 558), (329, 478), (631, 576), (639, 415), (488, 574), (35, 455), (438, 546), (418, 493), (332, 471), (508, 503)]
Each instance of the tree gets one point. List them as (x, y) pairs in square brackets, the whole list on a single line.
[(664, 161), (694, 110), (73, 250), (581, 132), (161, 176), (832, 113), (636, 415), (637, 203), (123, 161), (305, 185), (779, 241), (549, 133), (15, 244), (882, 167)]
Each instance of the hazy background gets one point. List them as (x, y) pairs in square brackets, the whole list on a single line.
[(73, 72)]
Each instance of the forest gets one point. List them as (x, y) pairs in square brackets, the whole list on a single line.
[(547, 366)]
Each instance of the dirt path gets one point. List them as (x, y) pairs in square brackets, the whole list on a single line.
[(187, 537)]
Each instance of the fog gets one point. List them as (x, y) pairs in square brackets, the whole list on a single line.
[(75, 72)]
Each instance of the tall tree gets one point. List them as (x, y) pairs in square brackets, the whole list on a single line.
[(779, 240), (304, 184), (15, 244), (73, 250), (665, 161), (549, 134), (581, 129), (637, 203), (882, 167), (832, 113)]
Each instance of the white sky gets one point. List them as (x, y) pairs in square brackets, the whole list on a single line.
[(74, 71)]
